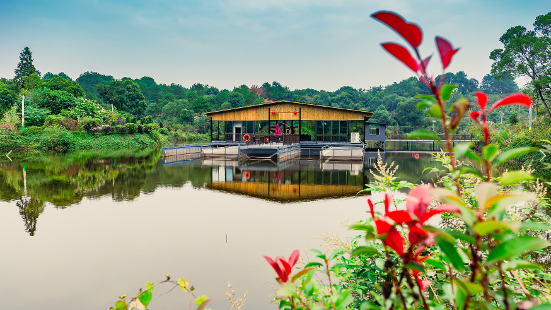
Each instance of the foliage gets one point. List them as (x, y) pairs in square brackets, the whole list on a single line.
[(526, 53), (131, 128), (56, 138), (65, 84), (89, 123), (61, 121), (8, 98), (124, 95), (35, 116), (25, 68), (53, 100)]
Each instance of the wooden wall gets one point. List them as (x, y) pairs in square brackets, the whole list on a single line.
[(285, 111)]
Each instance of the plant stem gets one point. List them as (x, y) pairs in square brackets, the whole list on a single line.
[(451, 283), (395, 282), (504, 289), (330, 283)]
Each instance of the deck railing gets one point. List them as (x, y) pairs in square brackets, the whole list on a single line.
[(404, 136), (331, 138)]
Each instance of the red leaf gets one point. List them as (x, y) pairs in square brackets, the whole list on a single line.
[(446, 51), (382, 226), (475, 115), (294, 258), (417, 234), (387, 201), (409, 31), (519, 98), (278, 270), (424, 64), (402, 54), (285, 264), (395, 241), (399, 216), (371, 208), (440, 209), (482, 99)]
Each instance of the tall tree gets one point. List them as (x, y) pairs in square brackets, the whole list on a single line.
[(25, 67), (124, 95), (527, 53)]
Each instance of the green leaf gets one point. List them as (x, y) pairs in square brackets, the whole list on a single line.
[(510, 154), (423, 134), (426, 97), (121, 305), (287, 289), (450, 251), (534, 226), (512, 177), (487, 227), (514, 247), (520, 264), (415, 266), (145, 297), (301, 273), (489, 152), (461, 149), (463, 237), (313, 264), (469, 288), (423, 104), (200, 300), (362, 227), (436, 264), (471, 170), (344, 299), (204, 304), (184, 285), (316, 252), (364, 250), (498, 204), (446, 91), (545, 306), (435, 111), (472, 155)]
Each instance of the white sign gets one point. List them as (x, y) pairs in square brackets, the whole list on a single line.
[(355, 137)]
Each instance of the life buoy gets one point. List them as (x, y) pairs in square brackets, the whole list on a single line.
[(267, 139), (246, 137), (416, 156), (247, 175)]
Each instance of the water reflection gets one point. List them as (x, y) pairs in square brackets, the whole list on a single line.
[(64, 180)]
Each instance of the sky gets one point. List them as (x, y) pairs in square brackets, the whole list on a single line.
[(226, 43)]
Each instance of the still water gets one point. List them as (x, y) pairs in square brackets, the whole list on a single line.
[(80, 229)]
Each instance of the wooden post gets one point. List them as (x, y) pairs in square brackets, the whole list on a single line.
[(211, 129), (299, 127)]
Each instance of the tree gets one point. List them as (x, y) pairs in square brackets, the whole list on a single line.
[(504, 85), (53, 100), (89, 81), (527, 53), (7, 98), (236, 100), (124, 95), (25, 67), (382, 116), (60, 83)]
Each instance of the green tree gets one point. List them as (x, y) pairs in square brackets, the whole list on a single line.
[(7, 98), (513, 118), (236, 100), (526, 53), (25, 67), (32, 81), (89, 81), (124, 95), (53, 100), (503, 86), (407, 114), (382, 116), (60, 83)]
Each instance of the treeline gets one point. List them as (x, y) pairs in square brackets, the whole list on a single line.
[(101, 103)]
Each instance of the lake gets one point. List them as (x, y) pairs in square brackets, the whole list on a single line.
[(80, 229)]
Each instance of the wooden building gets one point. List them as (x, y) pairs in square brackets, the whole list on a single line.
[(303, 121)]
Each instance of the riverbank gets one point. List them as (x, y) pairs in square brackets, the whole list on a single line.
[(60, 139)]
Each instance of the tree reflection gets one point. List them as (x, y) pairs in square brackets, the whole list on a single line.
[(30, 209)]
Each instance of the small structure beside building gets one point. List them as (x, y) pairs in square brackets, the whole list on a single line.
[(375, 135)]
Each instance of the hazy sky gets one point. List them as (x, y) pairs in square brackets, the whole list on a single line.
[(225, 43)]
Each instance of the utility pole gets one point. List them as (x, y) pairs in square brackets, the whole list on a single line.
[(23, 115), (530, 119)]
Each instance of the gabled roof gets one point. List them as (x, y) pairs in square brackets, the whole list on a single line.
[(208, 114)]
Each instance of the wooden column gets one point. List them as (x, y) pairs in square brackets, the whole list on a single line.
[(211, 129)]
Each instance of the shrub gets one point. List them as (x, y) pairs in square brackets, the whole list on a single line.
[(56, 139), (131, 128), (140, 128), (33, 130), (147, 120), (155, 135), (88, 123), (164, 131), (150, 127), (120, 129), (61, 121), (5, 128)]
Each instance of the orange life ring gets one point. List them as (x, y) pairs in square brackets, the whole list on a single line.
[(416, 156), (247, 175), (267, 139), (246, 137)]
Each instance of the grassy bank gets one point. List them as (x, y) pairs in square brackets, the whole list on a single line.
[(56, 139)]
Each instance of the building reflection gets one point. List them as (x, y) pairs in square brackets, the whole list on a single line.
[(290, 181)]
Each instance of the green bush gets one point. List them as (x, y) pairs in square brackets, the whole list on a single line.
[(131, 128), (61, 121), (120, 129), (164, 131), (148, 128), (155, 135), (56, 139), (35, 116), (147, 120), (88, 123), (140, 128), (33, 130)]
